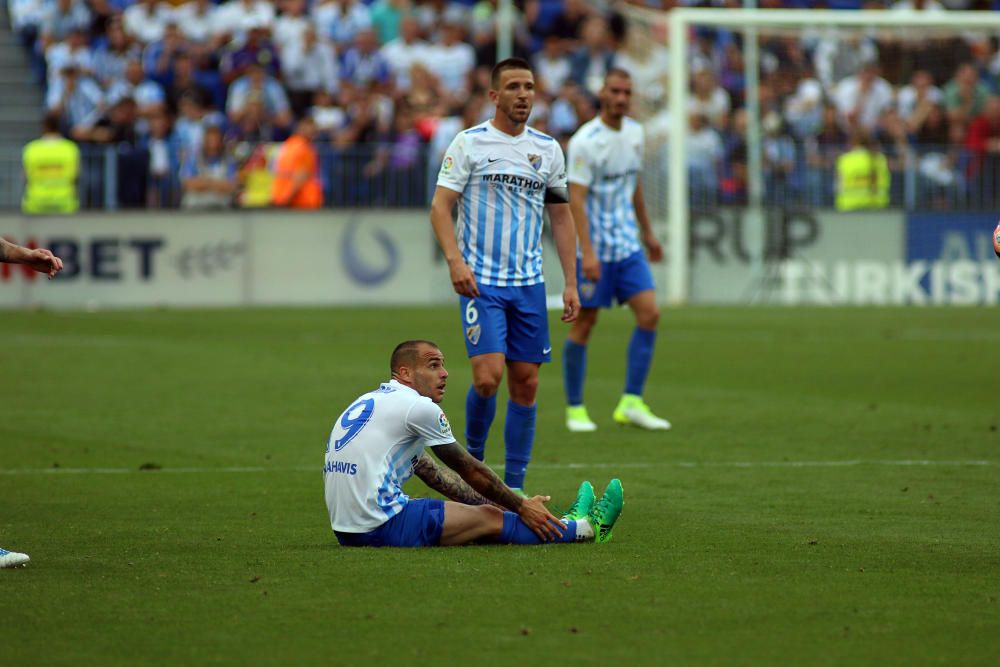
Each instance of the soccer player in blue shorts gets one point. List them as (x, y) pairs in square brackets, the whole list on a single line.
[(43, 261), (605, 158), (502, 175), (378, 442)]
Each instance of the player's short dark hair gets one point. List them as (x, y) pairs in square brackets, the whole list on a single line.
[(617, 71), (405, 353), (504, 65)]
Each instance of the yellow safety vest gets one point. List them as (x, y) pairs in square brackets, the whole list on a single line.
[(51, 166), (862, 180)]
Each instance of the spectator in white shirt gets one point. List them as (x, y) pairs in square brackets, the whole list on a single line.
[(148, 95), (291, 25), (198, 20), (146, 20), (917, 96), (341, 20), (235, 17), (61, 17), (804, 108), (551, 66), (709, 99), (77, 100), (308, 66), (74, 50), (452, 61), (405, 51), (862, 99), (257, 87)]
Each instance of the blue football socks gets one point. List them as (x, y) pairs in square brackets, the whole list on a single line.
[(518, 436), (516, 531), (574, 371), (640, 357), (479, 413)]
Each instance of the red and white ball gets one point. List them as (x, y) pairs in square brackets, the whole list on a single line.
[(996, 240)]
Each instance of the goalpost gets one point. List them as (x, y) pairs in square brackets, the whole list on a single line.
[(675, 27)]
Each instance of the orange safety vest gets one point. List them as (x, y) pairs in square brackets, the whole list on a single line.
[(296, 155)]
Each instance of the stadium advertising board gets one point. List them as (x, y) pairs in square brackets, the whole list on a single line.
[(824, 257), (237, 259)]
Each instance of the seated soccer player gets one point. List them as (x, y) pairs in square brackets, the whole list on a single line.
[(378, 443)]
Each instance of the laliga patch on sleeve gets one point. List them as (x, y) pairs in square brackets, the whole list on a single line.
[(447, 165), (443, 423)]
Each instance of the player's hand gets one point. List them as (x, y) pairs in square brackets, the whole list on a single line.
[(571, 304), (537, 517), (462, 279), (590, 266), (44, 261), (653, 248)]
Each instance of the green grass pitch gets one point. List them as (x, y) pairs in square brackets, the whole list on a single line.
[(830, 494)]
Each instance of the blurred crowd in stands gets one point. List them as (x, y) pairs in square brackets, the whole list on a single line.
[(193, 97)]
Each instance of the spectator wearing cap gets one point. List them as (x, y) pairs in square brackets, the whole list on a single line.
[(159, 56), (863, 98), (591, 60), (452, 59), (308, 66), (77, 100), (965, 95), (146, 20), (340, 21), (74, 50), (235, 18), (406, 51), (256, 49), (297, 181), (208, 175), (60, 18), (257, 86), (112, 57), (290, 27), (363, 65), (199, 22)]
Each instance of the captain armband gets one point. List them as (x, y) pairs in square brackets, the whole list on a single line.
[(556, 195)]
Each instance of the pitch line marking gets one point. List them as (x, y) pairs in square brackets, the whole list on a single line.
[(544, 466)]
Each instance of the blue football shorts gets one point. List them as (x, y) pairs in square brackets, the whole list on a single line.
[(619, 280), (509, 320), (418, 524)]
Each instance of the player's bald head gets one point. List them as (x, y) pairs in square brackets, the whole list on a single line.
[(407, 353)]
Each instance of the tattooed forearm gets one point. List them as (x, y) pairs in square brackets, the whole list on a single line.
[(478, 475), (447, 482)]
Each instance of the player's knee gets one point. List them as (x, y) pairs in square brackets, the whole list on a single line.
[(486, 384), (524, 389), (648, 319)]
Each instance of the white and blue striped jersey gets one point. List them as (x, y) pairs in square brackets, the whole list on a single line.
[(608, 162), (502, 180), (371, 451)]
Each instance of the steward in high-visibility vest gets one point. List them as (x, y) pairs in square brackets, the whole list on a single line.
[(51, 167), (863, 176), (296, 170)]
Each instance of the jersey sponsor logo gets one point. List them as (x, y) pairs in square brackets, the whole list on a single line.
[(624, 174), (517, 181), (341, 467), (535, 161), (443, 423), (473, 333), (447, 165)]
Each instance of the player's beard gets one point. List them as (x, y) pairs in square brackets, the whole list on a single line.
[(518, 116)]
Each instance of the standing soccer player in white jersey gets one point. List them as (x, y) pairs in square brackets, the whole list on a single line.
[(43, 261), (605, 159), (378, 443), (503, 174)]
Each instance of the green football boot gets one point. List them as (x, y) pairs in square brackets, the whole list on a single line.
[(607, 510), (585, 498), (632, 410)]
